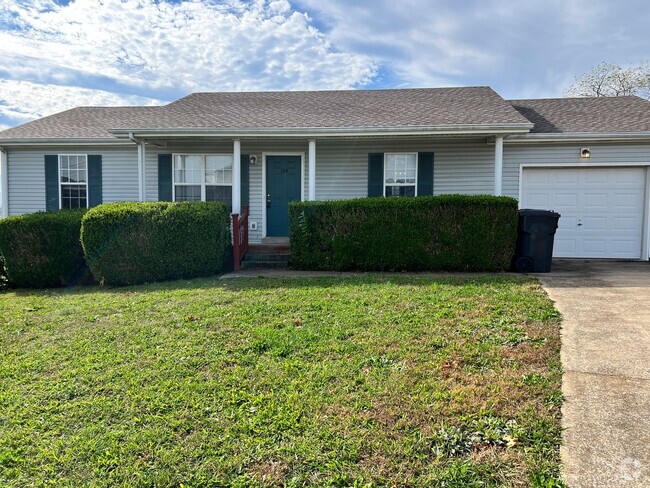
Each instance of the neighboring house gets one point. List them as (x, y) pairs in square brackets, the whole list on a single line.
[(326, 145)]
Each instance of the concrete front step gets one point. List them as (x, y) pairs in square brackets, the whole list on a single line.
[(269, 249), (255, 256), (264, 264)]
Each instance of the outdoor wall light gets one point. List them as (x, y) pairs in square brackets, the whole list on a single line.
[(585, 153), (252, 160)]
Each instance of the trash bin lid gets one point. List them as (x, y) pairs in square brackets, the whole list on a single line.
[(533, 212)]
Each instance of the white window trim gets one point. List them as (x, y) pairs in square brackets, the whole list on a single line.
[(203, 184), (70, 184), (417, 163)]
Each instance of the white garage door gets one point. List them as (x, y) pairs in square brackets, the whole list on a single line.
[(601, 208)]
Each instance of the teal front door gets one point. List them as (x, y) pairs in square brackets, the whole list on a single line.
[(282, 187)]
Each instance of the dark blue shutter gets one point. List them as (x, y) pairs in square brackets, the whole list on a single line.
[(245, 184), (425, 174), (376, 174), (165, 177), (52, 183), (94, 180)]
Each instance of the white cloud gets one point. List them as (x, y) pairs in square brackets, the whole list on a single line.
[(516, 47), (191, 45), (23, 101), (164, 50)]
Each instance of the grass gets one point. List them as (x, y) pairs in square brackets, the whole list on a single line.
[(367, 381)]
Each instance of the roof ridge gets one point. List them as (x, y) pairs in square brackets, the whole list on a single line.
[(572, 98)]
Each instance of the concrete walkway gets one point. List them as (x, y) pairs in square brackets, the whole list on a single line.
[(606, 358)]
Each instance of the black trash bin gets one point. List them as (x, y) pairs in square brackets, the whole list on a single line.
[(536, 234)]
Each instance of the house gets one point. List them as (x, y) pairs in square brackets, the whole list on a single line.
[(585, 158)]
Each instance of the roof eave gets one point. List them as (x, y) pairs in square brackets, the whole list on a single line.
[(61, 141), (492, 129), (578, 137)]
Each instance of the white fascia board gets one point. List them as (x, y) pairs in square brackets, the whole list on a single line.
[(331, 132), (578, 137), (65, 142)]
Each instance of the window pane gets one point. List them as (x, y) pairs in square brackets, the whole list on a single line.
[(218, 169), (82, 169), (73, 196), (188, 193), (400, 169), (219, 194), (187, 169), (400, 191)]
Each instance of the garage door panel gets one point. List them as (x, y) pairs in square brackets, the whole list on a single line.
[(623, 248), (627, 179), (592, 223), (594, 247), (567, 222), (595, 177), (595, 200), (566, 200), (601, 208), (539, 200), (624, 224), (566, 178), (627, 200), (564, 246)]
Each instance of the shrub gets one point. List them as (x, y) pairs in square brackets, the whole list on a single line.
[(447, 232), (129, 243), (3, 273), (42, 249)]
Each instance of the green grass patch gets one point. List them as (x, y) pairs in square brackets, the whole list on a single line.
[(367, 381)]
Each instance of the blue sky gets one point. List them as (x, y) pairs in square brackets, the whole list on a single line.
[(56, 55)]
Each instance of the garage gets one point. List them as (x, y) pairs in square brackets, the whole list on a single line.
[(602, 208)]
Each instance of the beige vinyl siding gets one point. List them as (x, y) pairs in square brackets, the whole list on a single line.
[(514, 155), (26, 175)]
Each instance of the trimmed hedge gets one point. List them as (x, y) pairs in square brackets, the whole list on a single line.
[(42, 249), (130, 243), (447, 232)]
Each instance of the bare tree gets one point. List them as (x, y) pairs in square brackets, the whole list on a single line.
[(611, 80)]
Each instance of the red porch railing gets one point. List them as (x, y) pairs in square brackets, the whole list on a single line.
[(240, 236)]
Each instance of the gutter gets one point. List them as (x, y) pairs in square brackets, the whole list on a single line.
[(63, 142), (141, 165), (578, 137), (4, 184), (495, 129)]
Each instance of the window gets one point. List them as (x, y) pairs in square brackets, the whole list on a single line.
[(73, 178), (203, 177), (400, 172)]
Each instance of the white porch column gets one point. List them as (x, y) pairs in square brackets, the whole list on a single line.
[(498, 165), (236, 176), (312, 170), (143, 172), (4, 184)]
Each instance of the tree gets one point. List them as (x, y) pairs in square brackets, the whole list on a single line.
[(611, 80)]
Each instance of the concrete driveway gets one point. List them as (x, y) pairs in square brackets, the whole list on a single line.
[(606, 356)]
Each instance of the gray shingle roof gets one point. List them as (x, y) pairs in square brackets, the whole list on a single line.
[(347, 109), (427, 107), (575, 115), (80, 123), (343, 109)]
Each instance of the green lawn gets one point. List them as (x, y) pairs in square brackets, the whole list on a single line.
[(367, 381)]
